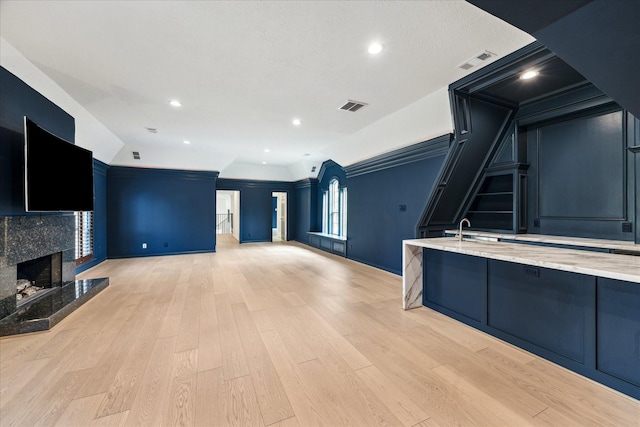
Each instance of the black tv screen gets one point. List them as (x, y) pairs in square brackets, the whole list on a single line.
[(58, 174)]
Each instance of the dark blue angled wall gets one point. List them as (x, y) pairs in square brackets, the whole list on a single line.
[(255, 207), (172, 211), (384, 208)]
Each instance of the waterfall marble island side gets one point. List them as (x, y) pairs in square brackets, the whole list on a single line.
[(599, 264)]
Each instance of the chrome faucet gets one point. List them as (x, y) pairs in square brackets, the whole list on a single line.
[(462, 222)]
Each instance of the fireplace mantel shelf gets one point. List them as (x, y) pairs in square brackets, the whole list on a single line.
[(44, 313)]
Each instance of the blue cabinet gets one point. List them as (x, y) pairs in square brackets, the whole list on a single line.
[(618, 329), (456, 283), (550, 309)]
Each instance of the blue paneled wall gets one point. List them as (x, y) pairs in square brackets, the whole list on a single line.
[(384, 208), (306, 208), (172, 211)]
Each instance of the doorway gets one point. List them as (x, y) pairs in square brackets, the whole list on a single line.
[(228, 214), (278, 216)]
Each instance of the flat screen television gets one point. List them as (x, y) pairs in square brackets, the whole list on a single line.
[(58, 174)]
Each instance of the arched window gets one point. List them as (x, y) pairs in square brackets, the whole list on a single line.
[(334, 209)]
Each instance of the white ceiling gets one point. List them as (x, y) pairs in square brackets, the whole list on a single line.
[(244, 69)]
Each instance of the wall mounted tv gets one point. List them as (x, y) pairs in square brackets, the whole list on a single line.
[(58, 174)]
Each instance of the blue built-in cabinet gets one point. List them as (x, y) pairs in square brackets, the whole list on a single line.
[(457, 283), (618, 329), (588, 324)]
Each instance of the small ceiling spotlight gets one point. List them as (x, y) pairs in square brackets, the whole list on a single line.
[(375, 48), (296, 122), (264, 163), (266, 150), (529, 75), (175, 103), (187, 142)]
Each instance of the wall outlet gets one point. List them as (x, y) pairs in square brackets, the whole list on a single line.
[(166, 245), (627, 227), (144, 246)]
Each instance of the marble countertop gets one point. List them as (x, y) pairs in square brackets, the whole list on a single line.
[(612, 266), (556, 240)]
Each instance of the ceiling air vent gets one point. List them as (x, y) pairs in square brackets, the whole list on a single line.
[(136, 155), (476, 60), (152, 130), (351, 105)]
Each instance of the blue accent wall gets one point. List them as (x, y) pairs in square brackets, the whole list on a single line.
[(256, 207), (383, 209), (99, 216), (17, 99), (172, 211)]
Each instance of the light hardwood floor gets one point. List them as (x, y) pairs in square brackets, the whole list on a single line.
[(279, 335)]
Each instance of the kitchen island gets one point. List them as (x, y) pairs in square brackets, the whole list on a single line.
[(569, 300)]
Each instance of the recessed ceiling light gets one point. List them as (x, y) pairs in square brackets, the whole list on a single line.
[(264, 163), (186, 142), (266, 150), (375, 48), (175, 103), (297, 122), (529, 75)]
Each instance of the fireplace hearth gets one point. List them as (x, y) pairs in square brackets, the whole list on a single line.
[(37, 262)]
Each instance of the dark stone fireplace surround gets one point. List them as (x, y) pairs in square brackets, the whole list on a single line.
[(24, 238)]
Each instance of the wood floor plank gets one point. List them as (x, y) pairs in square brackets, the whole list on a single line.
[(242, 404), (234, 362), (307, 408), (80, 412), (179, 408), (154, 385), (115, 420), (210, 406), (209, 353), (126, 383), (273, 401), (401, 404), (289, 422), (488, 411), (53, 403)]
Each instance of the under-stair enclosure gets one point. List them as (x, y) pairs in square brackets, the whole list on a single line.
[(549, 155)]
